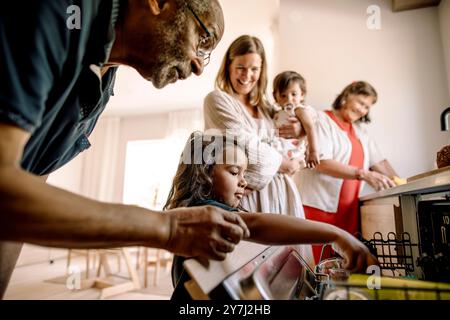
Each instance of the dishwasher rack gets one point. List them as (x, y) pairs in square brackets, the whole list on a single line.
[(396, 261), (346, 291), (394, 253)]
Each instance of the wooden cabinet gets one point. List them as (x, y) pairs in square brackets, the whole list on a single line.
[(401, 5), (382, 215)]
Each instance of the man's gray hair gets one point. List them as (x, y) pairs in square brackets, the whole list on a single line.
[(199, 6)]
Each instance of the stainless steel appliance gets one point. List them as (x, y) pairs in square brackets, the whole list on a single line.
[(433, 218), (278, 273)]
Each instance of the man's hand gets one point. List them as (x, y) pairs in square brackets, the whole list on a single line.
[(206, 231)]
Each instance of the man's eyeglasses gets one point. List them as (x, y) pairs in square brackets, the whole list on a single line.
[(201, 52)]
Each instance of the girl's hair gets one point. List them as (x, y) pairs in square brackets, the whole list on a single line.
[(192, 182), (357, 88), (284, 79), (241, 46)]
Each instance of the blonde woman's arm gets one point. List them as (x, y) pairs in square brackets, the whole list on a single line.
[(222, 112)]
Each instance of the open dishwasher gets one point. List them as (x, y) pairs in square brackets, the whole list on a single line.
[(280, 273)]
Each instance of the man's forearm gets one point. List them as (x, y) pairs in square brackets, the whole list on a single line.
[(32, 211)]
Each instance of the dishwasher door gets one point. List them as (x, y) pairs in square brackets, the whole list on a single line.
[(278, 273)]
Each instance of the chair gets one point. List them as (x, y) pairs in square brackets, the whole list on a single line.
[(107, 283), (90, 254), (160, 258)]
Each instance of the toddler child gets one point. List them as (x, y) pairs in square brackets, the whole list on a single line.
[(289, 91)]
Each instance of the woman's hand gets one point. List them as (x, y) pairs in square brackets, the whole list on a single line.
[(248, 190), (291, 130), (356, 255), (377, 180), (289, 166)]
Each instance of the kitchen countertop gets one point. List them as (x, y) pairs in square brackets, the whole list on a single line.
[(435, 183)]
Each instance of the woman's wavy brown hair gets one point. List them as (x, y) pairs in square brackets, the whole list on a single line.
[(192, 182), (241, 46), (357, 88)]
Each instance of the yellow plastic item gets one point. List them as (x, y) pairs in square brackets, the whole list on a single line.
[(399, 181), (394, 288)]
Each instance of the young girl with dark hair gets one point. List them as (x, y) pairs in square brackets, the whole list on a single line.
[(211, 172)]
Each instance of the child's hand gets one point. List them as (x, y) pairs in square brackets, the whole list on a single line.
[(356, 255), (312, 159)]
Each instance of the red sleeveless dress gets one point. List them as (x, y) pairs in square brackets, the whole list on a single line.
[(347, 215)]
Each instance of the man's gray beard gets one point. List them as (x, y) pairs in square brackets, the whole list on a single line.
[(171, 56)]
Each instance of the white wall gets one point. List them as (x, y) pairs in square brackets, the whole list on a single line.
[(134, 95), (69, 176), (329, 43), (444, 18)]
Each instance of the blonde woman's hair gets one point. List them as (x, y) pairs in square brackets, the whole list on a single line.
[(241, 46)]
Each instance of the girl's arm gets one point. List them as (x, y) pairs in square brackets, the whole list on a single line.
[(337, 169), (274, 229), (312, 159)]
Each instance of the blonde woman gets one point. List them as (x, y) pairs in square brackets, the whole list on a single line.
[(239, 106)]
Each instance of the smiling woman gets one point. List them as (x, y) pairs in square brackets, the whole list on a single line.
[(239, 106), (349, 157)]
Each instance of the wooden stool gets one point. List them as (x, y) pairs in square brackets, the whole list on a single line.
[(161, 258), (107, 284), (87, 253)]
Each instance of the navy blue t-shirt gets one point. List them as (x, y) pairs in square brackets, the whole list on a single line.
[(179, 275), (50, 83)]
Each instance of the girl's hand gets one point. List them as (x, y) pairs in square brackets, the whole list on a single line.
[(291, 130), (356, 255), (312, 159), (377, 180), (289, 166)]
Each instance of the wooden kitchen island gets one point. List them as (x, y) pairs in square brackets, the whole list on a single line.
[(394, 211)]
